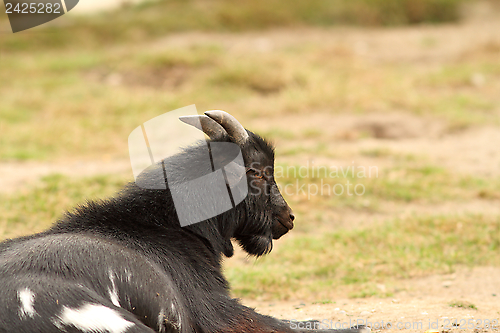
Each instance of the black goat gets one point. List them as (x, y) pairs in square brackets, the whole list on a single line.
[(126, 265)]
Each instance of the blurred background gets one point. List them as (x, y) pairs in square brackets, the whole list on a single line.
[(409, 89)]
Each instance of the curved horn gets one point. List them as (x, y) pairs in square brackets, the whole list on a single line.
[(234, 129), (205, 124)]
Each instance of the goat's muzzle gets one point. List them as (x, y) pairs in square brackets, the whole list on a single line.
[(282, 225)]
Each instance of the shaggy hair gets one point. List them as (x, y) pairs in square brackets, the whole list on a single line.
[(125, 264)]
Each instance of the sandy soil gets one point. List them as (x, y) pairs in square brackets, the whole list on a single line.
[(422, 304)]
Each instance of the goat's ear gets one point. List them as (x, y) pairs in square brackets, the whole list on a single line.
[(234, 173), (228, 248)]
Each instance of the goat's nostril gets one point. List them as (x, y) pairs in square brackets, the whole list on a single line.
[(292, 217)]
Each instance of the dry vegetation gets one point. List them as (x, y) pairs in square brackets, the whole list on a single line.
[(420, 104)]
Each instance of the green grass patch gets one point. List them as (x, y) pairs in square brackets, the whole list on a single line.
[(151, 19), (303, 265), (261, 79), (325, 302), (36, 209), (312, 266), (353, 186), (463, 305), (68, 104)]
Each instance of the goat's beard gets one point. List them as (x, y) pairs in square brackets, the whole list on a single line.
[(255, 236), (256, 245)]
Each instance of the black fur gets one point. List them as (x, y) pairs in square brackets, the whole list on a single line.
[(128, 254)]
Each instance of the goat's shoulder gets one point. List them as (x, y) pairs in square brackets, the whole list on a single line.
[(65, 253)]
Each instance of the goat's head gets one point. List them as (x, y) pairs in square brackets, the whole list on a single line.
[(267, 216)]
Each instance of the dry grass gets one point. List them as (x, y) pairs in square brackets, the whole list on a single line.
[(85, 103), (151, 19), (62, 102), (308, 267)]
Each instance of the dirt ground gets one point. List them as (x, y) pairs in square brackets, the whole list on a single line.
[(421, 303)]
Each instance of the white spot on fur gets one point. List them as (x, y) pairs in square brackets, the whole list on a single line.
[(127, 298), (93, 318), (128, 275), (161, 319), (27, 299), (174, 311), (113, 293)]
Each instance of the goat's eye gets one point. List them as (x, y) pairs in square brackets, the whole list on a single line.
[(255, 173)]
